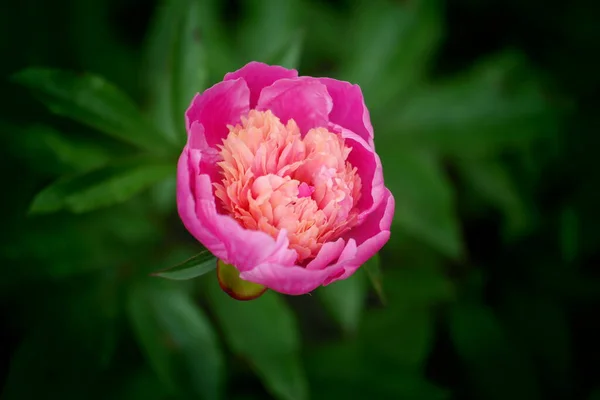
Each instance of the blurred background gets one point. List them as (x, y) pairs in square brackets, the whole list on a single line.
[(485, 122)]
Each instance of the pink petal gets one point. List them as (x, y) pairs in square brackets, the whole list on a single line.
[(305, 190), (221, 234), (349, 109), (298, 280), (369, 167), (289, 280), (258, 76), (329, 253), (379, 220), (222, 104), (186, 201), (371, 236), (209, 155), (304, 99)]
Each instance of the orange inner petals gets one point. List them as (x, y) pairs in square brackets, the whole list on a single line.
[(274, 179)]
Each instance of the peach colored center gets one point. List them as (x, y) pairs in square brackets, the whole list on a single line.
[(274, 179)]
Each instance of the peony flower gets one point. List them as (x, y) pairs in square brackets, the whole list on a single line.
[(279, 178)]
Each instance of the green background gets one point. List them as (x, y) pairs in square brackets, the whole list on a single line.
[(486, 124)]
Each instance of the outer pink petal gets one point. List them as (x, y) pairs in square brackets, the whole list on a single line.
[(371, 236), (209, 155), (221, 234), (222, 104), (289, 280), (349, 109), (186, 202), (368, 164), (297, 280), (258, 76), (304, 99)]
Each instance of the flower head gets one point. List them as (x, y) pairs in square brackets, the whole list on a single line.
[(273, 180), (280, 178)]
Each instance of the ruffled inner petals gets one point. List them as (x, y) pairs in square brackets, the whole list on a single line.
[(274, 179)]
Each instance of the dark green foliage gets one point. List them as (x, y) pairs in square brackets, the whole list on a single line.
[(488, 289)]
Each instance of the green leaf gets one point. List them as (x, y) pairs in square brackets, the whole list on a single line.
[(420, 281), (498, 103), (157, 69), (189, 63), (264, 332), (373, 269), (497, 369), (595, 395), (101, 187), (93, 36), (402, 332), (345, 300), (268, 27), (177, 339), (194, 267), (390, 46), (424, 198), (59, 247), (322, 36), (185, 44), (491, 180), (91, 100), (52, 152), (411, 344), (290, 54), (164, 195)]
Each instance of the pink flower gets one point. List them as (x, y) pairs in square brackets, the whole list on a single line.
[(280, 178)]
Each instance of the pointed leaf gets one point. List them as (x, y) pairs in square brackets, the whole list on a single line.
[(164, 195), (498, 103), (290, 54), (91, 100), (424, 198), (418, 280), (264, 332), (101, 187), (194, 267), (390, 46), (186, 43), (403, 332), (345, 300), (157, 69), (373, 270), (491, 180), (268, 27), (177, 338), (52, 152), (189, 70)]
